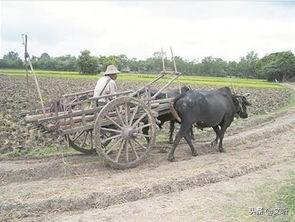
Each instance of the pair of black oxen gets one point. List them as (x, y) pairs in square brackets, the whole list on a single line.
[(215, 108)]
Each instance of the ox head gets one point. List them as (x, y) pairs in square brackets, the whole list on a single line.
[(241, 104)]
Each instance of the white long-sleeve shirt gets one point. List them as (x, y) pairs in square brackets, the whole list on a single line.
[(111, 87)]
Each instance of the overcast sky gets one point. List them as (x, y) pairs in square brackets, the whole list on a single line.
[(195, 29)]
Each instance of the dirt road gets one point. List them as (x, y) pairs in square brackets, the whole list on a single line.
[(210, 187)]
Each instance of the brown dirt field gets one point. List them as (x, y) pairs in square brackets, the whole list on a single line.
[(214, 202), (203, 188)]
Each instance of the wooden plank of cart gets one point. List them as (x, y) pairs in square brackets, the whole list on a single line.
[(121, 129)]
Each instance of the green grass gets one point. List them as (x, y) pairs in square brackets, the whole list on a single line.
[(286, 195), (191, 80), (36, 153), (291, 102)]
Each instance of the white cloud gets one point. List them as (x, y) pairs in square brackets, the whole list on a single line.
[(138, 28)]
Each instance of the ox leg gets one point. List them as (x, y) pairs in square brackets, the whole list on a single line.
[(183, 132), (145, 131), (192, 133), (172, 127), (217, 132), (188, 139), (178, 137), (221, 135)]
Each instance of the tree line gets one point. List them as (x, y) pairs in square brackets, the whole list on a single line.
[(278, 66)]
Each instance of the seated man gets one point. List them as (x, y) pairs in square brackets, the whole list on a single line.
[(106, 85)]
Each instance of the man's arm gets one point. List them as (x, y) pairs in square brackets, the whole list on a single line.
[(112, 87)]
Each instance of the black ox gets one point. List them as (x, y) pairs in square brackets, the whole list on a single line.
[(161, 119), (216, 109)]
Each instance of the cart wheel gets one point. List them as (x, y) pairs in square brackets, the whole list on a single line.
[(82, 141), (125, 117)]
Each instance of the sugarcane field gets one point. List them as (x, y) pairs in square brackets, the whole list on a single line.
[(147, 129)]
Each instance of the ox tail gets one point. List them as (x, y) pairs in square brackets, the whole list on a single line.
[(172, 107), (174, 112)]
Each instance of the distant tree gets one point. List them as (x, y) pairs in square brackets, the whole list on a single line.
[(277, 66), (232, 68), (11, 60), (66, 63), (122, 62), (104, 61), (133, 64), (87, 64), (247, 65), (213, 66), (45, 56), (44, 62)]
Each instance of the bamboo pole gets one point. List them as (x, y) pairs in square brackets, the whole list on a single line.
[(165, 86), (163, 60), (38, 88), (29, 101), (27, 56), (175, 69), (150, 83)]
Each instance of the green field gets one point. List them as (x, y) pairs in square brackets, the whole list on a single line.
[(192, 80)]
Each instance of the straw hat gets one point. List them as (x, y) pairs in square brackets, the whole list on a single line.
[(111, 69)]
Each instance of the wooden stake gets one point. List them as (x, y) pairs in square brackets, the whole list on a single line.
[(27, 57), (29, 101)]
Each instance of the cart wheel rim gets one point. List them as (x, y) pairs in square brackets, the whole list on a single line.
[(82, 141)]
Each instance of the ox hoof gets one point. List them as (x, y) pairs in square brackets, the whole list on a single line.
[(221, 150), (171, 158), (194, 154), (213, 144)]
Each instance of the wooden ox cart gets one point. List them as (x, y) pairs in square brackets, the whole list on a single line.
[(115, 129)]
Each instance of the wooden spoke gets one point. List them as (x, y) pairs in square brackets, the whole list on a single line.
[(133, 115), (139, 119), (141, 127), (127, 112), (120, 150), (132, 147), (127, 152), (142, 146), (141, 134), (91, 139), (79, 134), (111, 130), (113, 146), (85, 138), (120, 117), (109, 118), (112, 137)]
